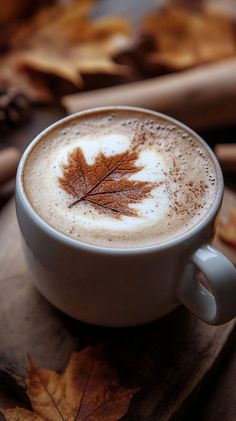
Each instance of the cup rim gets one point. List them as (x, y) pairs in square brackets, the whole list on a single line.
[(60, 236)]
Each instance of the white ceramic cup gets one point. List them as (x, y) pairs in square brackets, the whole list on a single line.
[(128, 286)]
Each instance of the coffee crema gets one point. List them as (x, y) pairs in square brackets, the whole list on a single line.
[(120, 178)]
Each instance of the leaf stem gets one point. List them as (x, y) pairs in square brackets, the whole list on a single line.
[(84, 392), (52, 400)]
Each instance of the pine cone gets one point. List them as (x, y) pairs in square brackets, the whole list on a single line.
[(14, 107)]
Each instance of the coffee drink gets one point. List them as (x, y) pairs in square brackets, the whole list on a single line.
[(120, 178)]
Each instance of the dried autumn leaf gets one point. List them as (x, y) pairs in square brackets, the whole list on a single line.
[(56, 20), (63, 41), (31, 84), (20, 414), (227, 230), (14, 10), (49, 62), (14, 13), (185, 39), (89, 390), (105, 184)]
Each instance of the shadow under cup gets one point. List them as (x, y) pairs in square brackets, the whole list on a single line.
[(127, 286)]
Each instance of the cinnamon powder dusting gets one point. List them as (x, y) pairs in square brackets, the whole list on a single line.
[(187, 197)]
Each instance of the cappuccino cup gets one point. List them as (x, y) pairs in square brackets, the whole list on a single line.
[(117, 208)]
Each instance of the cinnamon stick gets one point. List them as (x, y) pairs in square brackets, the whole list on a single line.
[(203, 97), (226, 154), (9, 159)]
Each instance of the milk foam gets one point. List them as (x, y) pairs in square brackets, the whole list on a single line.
[(182, 169)]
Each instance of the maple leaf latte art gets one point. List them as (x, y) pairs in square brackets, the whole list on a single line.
[(120, 178)]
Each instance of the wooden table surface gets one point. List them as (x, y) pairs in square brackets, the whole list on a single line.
[(217, 399)]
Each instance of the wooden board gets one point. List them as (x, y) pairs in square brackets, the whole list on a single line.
[(169, 358)]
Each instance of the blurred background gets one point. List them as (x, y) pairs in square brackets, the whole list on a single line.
[(174, 56), (58, 57)]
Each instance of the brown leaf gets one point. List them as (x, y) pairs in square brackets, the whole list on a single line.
[(89, 390), (20, 414), (14, 13), (48, 62), (185, 39), (13, 10), (63, 41), (49, 22), (29, 83), (227, 230), (105, 184)]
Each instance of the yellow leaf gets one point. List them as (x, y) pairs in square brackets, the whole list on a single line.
[(227, 229), (45, 390), (48, 62), (184, 39), (19, 414), (89, 390), (63, 41), (31, 84)]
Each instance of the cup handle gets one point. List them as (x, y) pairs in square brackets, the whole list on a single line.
[(215, 304)]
